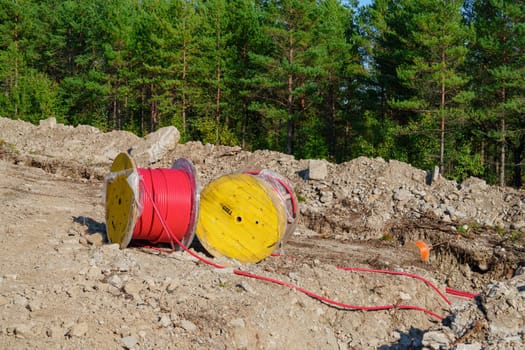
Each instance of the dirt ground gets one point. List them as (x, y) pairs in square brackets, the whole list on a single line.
[(62, 285)]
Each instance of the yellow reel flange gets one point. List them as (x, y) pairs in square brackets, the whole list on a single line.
[(122, 200), (241, 217)]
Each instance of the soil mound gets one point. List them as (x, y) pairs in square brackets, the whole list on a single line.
[(63, 286)]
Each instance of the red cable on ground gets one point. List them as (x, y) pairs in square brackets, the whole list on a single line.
[(407, 274), (328, 301), (460, 293), (334, 302)]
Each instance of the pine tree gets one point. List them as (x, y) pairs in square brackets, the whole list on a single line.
[(335, 51), (246, 39), (437, 36), (26, 93), (287, 75), (499, 57), (214, 65)]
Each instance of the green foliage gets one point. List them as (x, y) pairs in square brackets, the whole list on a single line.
[(465, 164), (422, 81), (206, 129)]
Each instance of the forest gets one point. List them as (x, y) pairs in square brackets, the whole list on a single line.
[(434, 83)]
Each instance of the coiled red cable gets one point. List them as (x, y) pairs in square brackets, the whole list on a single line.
[(166, 211)]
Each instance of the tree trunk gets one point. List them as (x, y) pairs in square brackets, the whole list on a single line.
[(17, 63), (217, 104), (503, 141), (289, 124), (518, 157), (442, 110), (184, 73)]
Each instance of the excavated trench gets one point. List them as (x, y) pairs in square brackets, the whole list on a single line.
[(469, 259)]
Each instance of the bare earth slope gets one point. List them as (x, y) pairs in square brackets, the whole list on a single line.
[(63, 286)]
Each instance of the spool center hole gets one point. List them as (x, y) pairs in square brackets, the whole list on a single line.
[(239, 219)]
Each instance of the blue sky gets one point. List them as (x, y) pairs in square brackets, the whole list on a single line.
[(364, 2)]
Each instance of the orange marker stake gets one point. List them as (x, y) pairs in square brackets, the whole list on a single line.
[(424, 249)]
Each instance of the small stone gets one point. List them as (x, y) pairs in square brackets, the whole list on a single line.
[(50, 123), (95, 239), (435, 340), (111, 248), (165, 321), (519, 271), (34, 305), (188, 326), (317, 169), (473, 346), (483, 266), (129, 342), (22, 331), (246, 287), (293, 276), (12, 277), (402, 195), (405, 296), (435, 174), (133, 287), (237, 322), (78, 330), (94, 273), (20, 300), (115, 281)]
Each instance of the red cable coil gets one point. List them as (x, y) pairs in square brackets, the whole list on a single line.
[(166, 211)]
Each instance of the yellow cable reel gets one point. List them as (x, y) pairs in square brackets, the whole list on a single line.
[(241, 217)]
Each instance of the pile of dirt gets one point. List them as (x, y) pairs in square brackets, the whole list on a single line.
[(62, 285)]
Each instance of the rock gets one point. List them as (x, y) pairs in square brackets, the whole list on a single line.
[(133, 287), (404, 296), (402, 195), (96, 239), (188, 326), (156, 145), (78, 330), (473, 346), (317, 169), (237, 322), (436, 340), (94, 273), (435, 174), (519, 271), (165, 321), (246, 287), (243, 338), (115, 281), (129, 342), (22, 331), (20, 300), (49, 123), (34, 305)]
